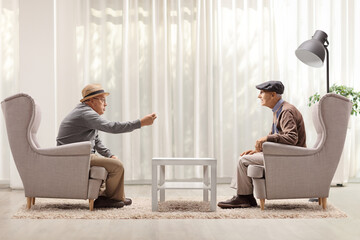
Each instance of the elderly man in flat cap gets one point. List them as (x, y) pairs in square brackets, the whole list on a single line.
[(287, 128), (83, 124)]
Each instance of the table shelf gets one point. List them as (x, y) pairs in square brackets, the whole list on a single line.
[(159, 183), (184, 185)]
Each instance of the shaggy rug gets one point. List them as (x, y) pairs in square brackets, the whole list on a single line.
[(174, 209)]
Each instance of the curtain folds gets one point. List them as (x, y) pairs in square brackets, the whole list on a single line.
[(9, 67), (195, 63), (188, 62)]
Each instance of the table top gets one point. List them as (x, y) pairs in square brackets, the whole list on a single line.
[(183, 161)]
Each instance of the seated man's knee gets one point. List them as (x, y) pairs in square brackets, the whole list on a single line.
[(246, 160), (240, 160), (243, 161), (117, 166)]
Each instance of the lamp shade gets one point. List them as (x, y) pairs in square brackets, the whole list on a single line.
[(312, 52)]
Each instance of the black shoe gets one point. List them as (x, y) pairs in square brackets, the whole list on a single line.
[(313, 200), (127, 201), (103, 202), (252, 200), (240, 201)]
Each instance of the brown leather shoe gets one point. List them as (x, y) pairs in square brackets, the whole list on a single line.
[(103, 202), (240, 201)]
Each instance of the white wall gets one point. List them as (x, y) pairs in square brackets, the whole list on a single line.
[(37, 68)]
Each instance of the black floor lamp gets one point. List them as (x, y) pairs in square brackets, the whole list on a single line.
[(312, 52)]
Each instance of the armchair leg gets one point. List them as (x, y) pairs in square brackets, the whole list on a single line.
[(262, 204), (33, 201), (91, 204), (319, 201), (28, 202), (323, 203)]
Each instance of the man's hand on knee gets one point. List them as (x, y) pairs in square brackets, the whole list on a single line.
[(248, 152)]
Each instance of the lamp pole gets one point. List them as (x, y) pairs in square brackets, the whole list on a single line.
[(327, 66)]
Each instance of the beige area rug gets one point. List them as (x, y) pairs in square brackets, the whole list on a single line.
[(175, 209)]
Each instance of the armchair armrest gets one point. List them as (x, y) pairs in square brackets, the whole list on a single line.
[(73, 149), (278, 149)]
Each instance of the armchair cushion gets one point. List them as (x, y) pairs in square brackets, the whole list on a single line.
[(73, 149), (271, 148)]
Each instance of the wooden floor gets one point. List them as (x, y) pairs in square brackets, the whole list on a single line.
[(346, 198)]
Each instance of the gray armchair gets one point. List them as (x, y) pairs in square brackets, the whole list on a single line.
[(296, 172), (58, 172)]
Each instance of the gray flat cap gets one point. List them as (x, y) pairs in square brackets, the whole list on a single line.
[(271, 86)]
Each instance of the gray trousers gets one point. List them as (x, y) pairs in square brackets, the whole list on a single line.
[(241, 181)]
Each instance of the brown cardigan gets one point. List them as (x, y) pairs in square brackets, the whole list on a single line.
[(291, 127)]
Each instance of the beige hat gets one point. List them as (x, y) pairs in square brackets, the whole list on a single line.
[(92, 90)]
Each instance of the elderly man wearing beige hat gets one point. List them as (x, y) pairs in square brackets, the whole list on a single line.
[(83, 124)]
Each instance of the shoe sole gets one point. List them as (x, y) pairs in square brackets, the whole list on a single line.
[(234, 206), (109, 206)]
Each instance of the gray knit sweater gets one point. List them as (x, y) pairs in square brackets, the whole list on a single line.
[(83, 124)]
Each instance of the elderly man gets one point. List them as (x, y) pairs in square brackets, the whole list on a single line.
[(83, 124), (287, 128)]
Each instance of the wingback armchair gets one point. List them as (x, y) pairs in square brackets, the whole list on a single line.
[(296, 172), (57, 172)]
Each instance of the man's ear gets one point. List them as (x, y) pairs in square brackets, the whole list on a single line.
[(89, 102)]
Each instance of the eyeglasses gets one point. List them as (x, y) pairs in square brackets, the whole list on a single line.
[(103, 100)]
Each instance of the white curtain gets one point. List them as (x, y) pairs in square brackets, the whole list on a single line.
[(9, 37), (196, 64)]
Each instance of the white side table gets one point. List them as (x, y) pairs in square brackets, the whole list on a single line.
[(159, 184)]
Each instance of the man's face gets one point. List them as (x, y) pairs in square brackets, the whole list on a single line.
[(267, 98), (98, 103)]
